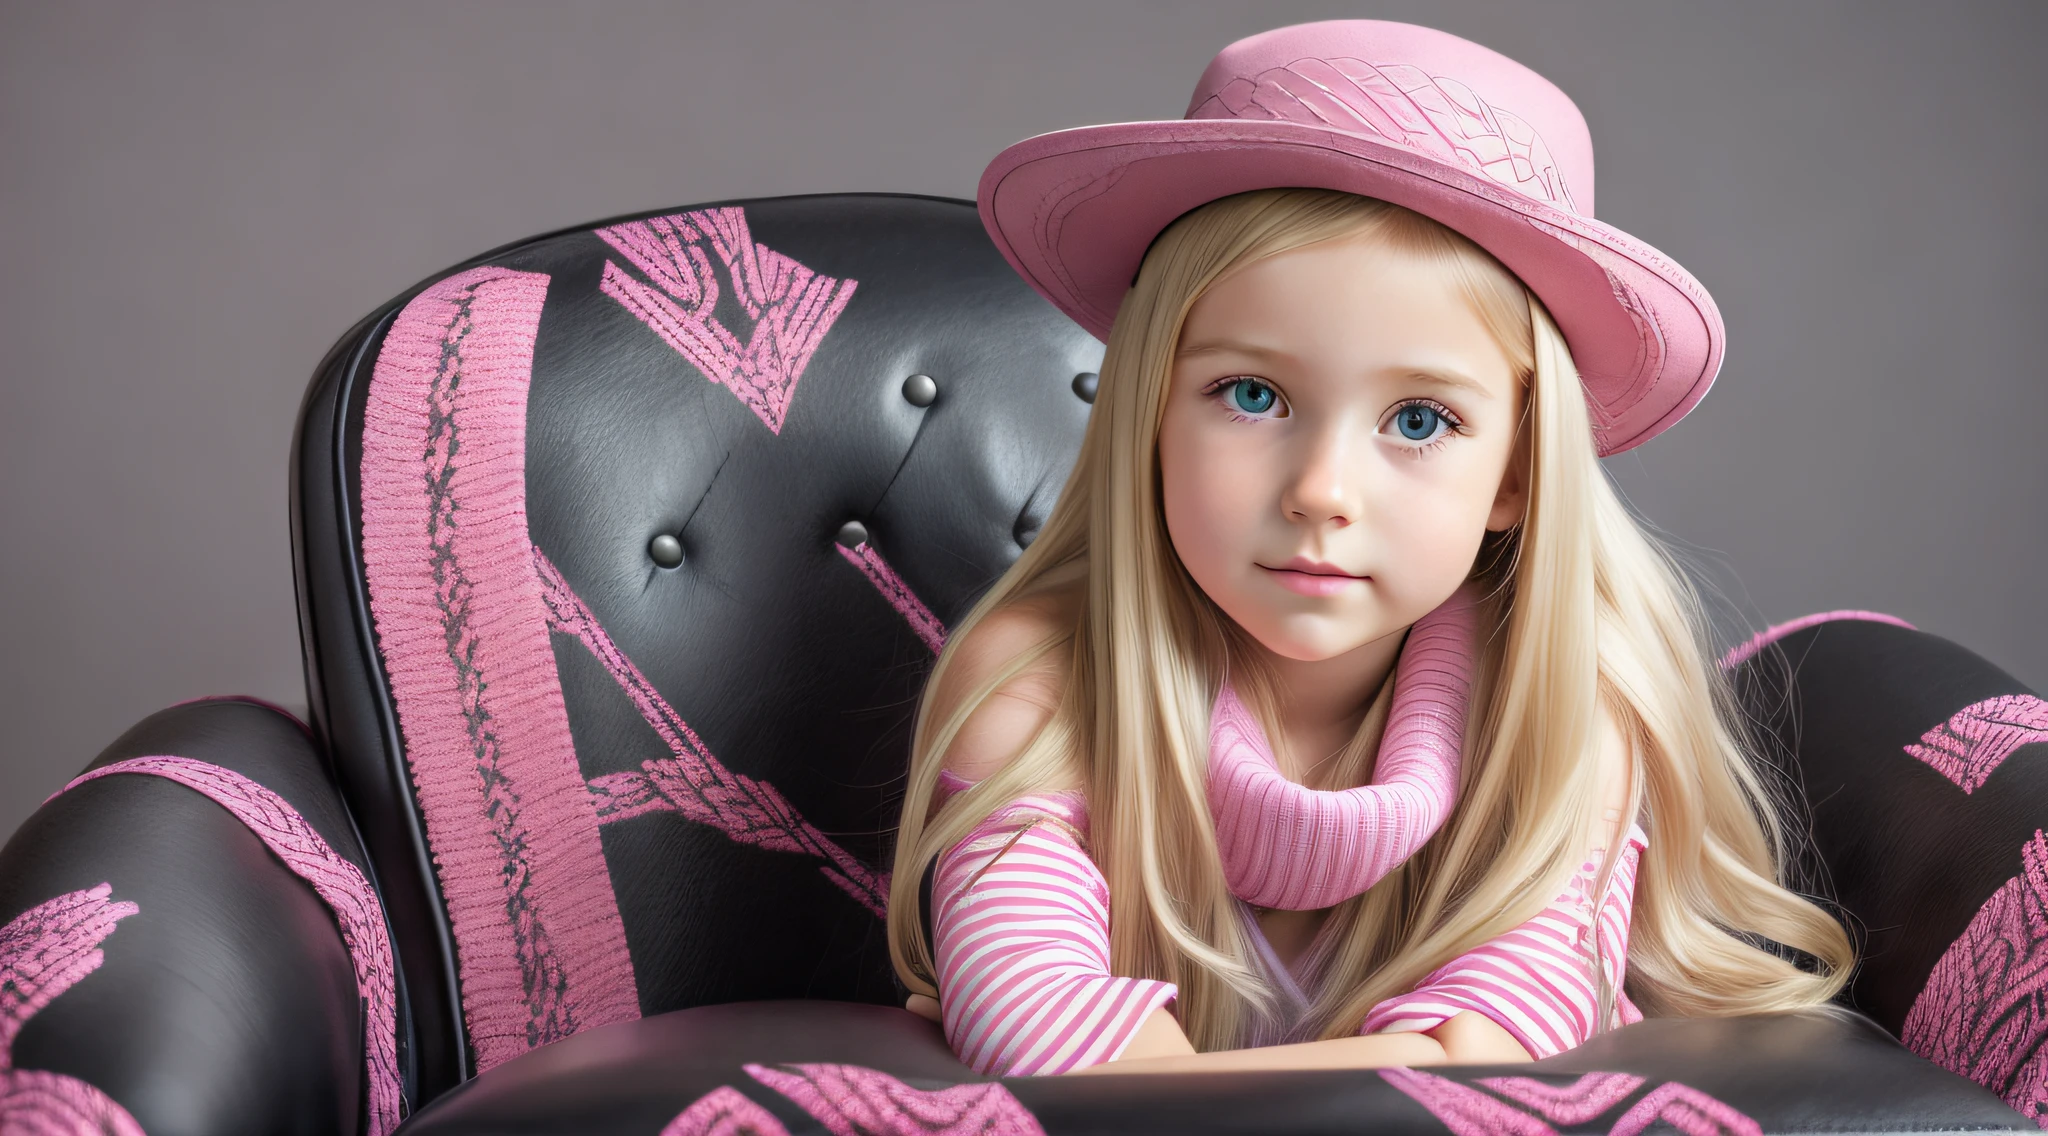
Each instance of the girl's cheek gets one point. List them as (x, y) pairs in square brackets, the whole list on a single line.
[(1210, 518), (1198, 503), (1433, 525), (1218, 478)]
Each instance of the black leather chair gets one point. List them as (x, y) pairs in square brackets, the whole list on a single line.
[(622, 553)]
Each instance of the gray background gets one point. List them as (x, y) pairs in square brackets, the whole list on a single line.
[(196, 199)]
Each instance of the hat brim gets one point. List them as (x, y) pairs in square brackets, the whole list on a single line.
[(1075, 211)]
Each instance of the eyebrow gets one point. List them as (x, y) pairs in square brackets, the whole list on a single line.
[(1439, 376), (1228, 346), (1449, 378)]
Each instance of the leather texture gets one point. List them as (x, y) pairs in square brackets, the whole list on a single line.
[(1905, 850), (1922, 763), (227, 1003), (790, 664), (1786, 1073), (350, 713)]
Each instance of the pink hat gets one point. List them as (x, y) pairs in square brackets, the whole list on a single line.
[(1418, 117)]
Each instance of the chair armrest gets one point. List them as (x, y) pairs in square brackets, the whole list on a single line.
[(794, 1067), (186, 931), (1924, 767)]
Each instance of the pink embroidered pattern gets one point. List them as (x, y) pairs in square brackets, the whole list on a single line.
[(1686, 1109), (45, 951), (1984, 1011), (1775, 632), (693, 782), (1468, 1112), (36, 1103), (792, 307), (897, 592), (462, 627), (1441, 117), (1977, 739), (1465, 1110), (339, 884), (850, 1100), (1576, 1103), (725, 1111)]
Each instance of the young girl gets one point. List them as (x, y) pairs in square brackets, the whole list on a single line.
[(1341, 715)]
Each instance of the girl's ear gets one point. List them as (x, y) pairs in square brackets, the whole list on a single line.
[(1511, 503)]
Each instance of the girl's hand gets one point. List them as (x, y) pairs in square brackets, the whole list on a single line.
[(1159, 1036), (1466, 1039), (924, 1006), (1475, 1039)]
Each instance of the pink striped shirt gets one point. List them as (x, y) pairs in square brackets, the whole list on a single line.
[(1537, 981), (1021, 923), (1021, 926)]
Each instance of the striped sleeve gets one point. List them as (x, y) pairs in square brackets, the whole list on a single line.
[(1021, 923), (1536, 981)]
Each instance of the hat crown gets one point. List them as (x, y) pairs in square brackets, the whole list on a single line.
[(1445, 98)]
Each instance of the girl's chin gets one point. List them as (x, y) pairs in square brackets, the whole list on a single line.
[(1320, 645)]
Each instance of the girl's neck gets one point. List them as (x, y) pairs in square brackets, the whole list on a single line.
[(1320, 704)]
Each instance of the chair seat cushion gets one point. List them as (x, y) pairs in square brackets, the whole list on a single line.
[(833, 1067)]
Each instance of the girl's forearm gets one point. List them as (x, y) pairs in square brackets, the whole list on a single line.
[(1372, 1051)]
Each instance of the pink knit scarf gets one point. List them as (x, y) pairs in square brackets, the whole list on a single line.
[(1288, 846)]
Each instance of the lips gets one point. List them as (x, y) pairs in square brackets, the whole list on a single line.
[(1312, 577)]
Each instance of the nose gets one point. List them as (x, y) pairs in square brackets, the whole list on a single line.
[(1324, 488)]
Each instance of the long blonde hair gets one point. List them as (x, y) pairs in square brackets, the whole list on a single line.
[(1584, 609)]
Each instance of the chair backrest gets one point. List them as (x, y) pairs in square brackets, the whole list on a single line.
[(622, 554)]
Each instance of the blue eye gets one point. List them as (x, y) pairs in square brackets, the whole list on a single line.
[(1418, 422), (1252, 396)]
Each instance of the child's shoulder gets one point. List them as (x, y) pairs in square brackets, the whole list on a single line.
[(1021, 704), (1015, 628)]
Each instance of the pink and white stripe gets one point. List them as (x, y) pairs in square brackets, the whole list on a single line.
[(1021, 919), (1537, 980), (1021, 926)]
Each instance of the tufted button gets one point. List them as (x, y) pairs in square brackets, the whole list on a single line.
[(852, 534), (920, 390), (1084, 386), (665, 550), (1025, 530)]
